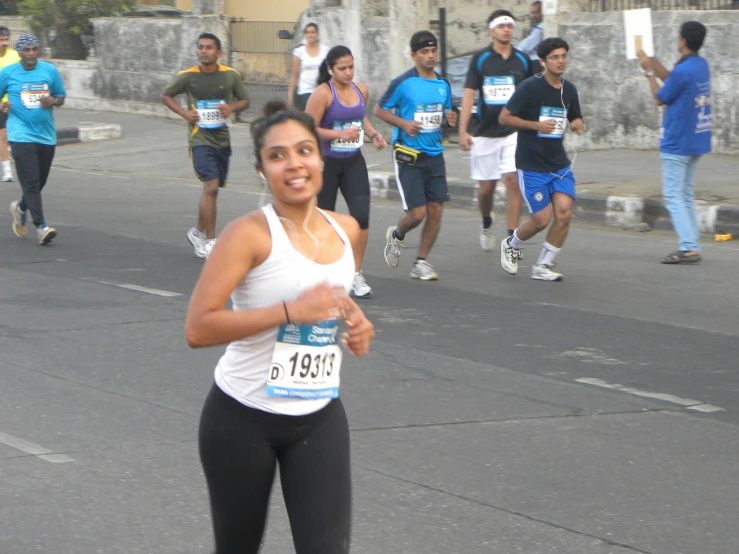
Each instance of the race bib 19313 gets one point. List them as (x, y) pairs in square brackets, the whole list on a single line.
[(306, 361), (429, 116), (32, 93), (559, 116), (496, 91), (209, 115), (345, 145)]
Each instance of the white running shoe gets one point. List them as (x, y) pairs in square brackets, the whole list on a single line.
[(393, 248), (424, 271), (45, 234), (197, 239), (509, 257), (19, 219), (543, 272), (360, 288), (7, 177), (208, 248), (487, 240)]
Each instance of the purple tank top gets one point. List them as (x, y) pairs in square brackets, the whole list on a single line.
[(338, 116)]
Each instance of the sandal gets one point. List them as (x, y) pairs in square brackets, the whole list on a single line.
[(680, 257)]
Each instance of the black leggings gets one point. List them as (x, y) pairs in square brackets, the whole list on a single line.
[(33, 164), (349, 175), (239, 447)]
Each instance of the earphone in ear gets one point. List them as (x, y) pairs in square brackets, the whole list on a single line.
[(262, 177)]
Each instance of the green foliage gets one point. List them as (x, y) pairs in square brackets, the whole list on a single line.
[(69, 16)]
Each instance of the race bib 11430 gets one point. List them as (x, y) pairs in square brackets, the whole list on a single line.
[(429, 116)]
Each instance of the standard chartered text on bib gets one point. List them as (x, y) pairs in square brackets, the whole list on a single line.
[(32, 93), (429, 116), (306, 361), (496, 91), (344, 145), (559, 116), (209, 116)]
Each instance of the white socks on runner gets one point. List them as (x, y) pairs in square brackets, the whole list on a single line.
[(514, 241), (548, 253)]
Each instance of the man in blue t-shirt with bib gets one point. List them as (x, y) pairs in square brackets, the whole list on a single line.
[(33, 88), (421, 100), (686, 133)]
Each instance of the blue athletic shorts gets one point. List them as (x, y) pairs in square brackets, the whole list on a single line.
[(423, 182), (210, 163), (537, 188)]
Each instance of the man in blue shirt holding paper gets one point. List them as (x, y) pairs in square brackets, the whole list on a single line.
[(33, 88), (686, 133)]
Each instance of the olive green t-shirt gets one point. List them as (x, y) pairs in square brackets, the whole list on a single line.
[(204, 92)]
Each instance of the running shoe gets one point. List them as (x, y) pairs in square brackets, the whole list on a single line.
[(208, 248), (7, 177), (509, 257), (19, 219), (45, 234), (393, 248), (487, 239), (543, 272), (360, 288), (198, 241), (424, 271)]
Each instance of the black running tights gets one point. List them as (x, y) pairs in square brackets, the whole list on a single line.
[(240, 448)]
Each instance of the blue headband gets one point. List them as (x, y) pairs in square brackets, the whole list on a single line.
[(26, 41)]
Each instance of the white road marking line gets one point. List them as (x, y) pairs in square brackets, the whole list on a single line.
[(155, 292), (33, 449), (137, 288), (671, 398)]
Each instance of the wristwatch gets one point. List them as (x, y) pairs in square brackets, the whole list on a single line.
[(648, 74)]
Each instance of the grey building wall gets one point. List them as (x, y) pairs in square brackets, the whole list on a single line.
[(617, 105)]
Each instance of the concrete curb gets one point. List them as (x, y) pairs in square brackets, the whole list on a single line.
[(86, 132), (631, 212)]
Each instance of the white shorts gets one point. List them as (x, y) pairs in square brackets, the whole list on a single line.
[(490, 158)]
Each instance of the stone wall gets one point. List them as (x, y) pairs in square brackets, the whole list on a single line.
[(135, 59), (617, 105)]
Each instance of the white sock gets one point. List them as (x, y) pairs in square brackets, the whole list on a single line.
[(548, 253), (6, 166), (514, 241)]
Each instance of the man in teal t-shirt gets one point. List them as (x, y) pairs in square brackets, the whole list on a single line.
[(33, 88)]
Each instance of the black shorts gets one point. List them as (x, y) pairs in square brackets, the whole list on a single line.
[(423, 182), (3, 120), (210, 162)]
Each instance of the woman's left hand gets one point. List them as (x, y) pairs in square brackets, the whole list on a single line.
[(359, 331), (379, 142)]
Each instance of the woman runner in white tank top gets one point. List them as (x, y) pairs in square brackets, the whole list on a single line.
[(287, 269)]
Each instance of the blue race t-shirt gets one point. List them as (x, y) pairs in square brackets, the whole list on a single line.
[(28, 120), (686, 127), (419, 99)]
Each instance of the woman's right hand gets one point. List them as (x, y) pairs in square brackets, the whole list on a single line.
[(319, 303), (350, 134)]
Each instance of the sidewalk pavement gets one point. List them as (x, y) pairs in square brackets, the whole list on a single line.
[(620, 187)]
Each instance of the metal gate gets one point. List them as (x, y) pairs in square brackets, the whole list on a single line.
[(261, 52)]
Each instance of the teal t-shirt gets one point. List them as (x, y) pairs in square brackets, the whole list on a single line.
[(28, 120)]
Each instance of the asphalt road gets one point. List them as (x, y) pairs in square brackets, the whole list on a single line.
[(494, 414)]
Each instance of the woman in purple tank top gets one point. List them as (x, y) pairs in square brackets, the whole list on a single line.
[(338, 108)]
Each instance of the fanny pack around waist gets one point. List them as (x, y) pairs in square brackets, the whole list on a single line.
[(406, 155)]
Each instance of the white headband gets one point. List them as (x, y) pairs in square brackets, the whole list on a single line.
[(502, 20)]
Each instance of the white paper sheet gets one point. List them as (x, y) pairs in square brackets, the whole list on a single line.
[(638, 27)]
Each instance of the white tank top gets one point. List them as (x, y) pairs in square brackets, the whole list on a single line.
[(243, 370)]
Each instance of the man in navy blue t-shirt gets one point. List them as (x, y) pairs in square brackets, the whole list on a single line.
[(686, 133), (541, 109), (421, 100)]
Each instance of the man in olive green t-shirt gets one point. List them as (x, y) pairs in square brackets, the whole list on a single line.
[(8, 56), (213, 92)]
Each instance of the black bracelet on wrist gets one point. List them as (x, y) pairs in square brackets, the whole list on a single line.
[(287, 315)]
